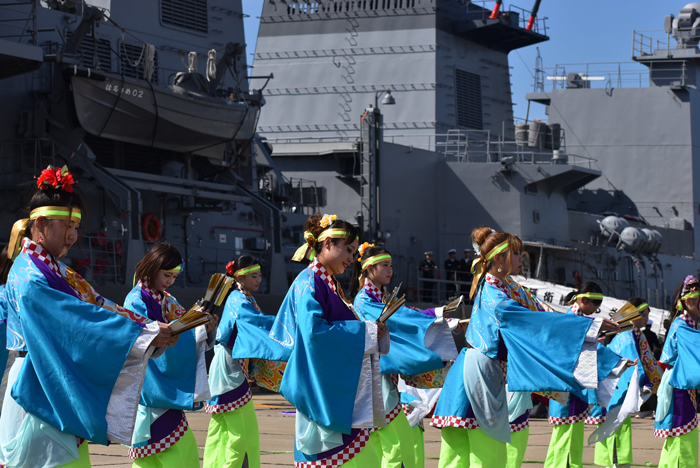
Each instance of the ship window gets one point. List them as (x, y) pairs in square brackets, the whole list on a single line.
[(87, 52), (187, 14), (468, 99), (133, 53)]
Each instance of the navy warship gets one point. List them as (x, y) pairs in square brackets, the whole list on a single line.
[(395, 114)]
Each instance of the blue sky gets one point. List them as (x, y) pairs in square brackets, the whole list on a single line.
[(579, 31)]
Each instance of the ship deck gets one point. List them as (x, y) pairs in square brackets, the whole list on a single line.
[(277, 439)]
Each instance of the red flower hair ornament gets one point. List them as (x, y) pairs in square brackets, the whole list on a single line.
[(230, 268), (56, 178)]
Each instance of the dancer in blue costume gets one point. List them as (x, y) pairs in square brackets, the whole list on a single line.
[(566, 443), (6, 358), (420, 342), (177, 380), (676, 407), (473, 410), (616, 448), (332, 376), (243, 333), (82, 358)]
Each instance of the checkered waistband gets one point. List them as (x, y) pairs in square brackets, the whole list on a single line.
[(228, 407), (594, 420), (393, 413), (454, 421), (556, 421), (520, 426), (677, 431), (337, 459), (164, 443)]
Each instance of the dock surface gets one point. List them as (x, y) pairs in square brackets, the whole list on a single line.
[(277, 439)]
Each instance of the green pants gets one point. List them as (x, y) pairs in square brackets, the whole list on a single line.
[(230, 437), (183, 454), (419, 446), (566, 447), (681, 451), (83, 461), (470, 448), (516, 448), (397, 443), (616, 449)]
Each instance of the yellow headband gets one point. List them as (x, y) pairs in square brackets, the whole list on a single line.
[(592, 296), (691, 294), (177, 269), (245, 271), (374, 260), (56, 212), (498, 249), (19, 229), (307, 250)]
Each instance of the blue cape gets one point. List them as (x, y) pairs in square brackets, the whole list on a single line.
[(407, 328), (170, 378), (686, 370), (75, 351), (247, 330), (325, 343)]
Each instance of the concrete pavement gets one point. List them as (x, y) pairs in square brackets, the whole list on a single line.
[(277, 439)]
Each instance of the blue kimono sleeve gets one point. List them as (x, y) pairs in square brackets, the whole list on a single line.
[(407, 329), (686, 371), (253, 331), (75, 353), (543, 348), (323, 372)]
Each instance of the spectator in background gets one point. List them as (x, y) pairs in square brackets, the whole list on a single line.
[(465, 269), (427, 268), (451, 268), (653, 340)]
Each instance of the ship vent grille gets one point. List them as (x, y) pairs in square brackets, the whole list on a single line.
[(86, 52), (129, 54), (468, 99), (190, 15)]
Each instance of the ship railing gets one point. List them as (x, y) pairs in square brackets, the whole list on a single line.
[(539, 26), (606, 75), (648, 42), (99, 259), (442, 287)]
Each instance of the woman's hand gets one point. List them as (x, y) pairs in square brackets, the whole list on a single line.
[(165, 337), (211, 326), (610, 326), (631, 363), (381, 329)]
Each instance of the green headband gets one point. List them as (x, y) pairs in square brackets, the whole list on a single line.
[(245, 271), (642, 307), (173, 270), (498, 249), (374, 260), (54, 212), (594, 296)]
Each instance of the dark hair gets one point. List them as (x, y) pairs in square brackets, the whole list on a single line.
[(244, 261), (162, 256), (56, 197), (587, 287), (5, 265), (358, 275), (313, 225)]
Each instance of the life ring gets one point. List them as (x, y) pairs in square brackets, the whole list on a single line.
[(150, 228)]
